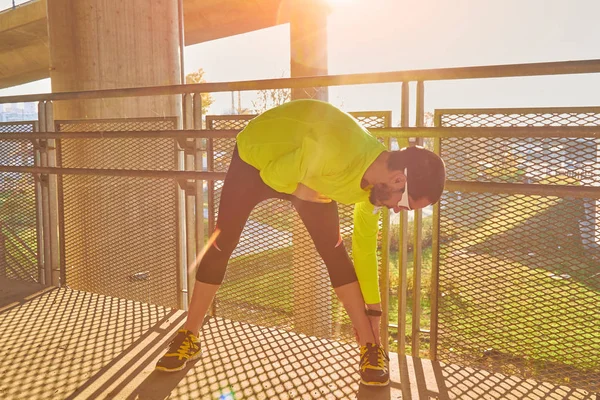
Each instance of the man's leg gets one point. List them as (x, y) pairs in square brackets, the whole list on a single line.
[(322, 222), (242, 190)]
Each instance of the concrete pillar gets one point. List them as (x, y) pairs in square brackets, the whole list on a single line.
[(115, 223), (308, 51), (110, 44), (308, 44)]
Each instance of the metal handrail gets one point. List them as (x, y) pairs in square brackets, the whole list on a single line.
[(136, 173), (480, 187), (397, 132), (526, 189), (163, 134), (440, 74)]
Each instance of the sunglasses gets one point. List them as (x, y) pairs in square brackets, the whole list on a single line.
[(404, 199)]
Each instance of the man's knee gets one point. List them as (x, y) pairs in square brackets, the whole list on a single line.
[(213, 265), (211, 270), (342, 277)]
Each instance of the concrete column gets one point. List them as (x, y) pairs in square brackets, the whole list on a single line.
[(308, 44), (106, 44), (114, 223), (308, 51)]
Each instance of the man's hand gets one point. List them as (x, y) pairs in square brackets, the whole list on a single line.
[(307, 194)]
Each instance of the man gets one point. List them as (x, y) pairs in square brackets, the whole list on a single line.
[(315, 155)]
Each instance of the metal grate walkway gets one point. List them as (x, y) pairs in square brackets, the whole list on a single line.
[(67, 344)]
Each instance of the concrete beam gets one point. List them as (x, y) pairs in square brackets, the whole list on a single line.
[(24, 53), (24, 31)]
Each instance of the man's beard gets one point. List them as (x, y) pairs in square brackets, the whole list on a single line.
[(380, 192)]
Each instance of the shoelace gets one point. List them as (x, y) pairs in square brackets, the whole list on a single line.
[(183, 348), (373, 358)]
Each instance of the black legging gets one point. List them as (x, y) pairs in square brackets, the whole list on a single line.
[(242, 190)]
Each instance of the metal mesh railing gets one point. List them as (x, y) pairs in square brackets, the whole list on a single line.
[(18, 210), (258, 284), (18, 127), (120, 235), (519, 275), (125, 153), (275, 276)]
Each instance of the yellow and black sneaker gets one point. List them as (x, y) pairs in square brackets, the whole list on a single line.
[(183, 348), (374, 365)]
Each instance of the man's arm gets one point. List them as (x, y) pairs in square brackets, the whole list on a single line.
[(285, 172), (364, 252)]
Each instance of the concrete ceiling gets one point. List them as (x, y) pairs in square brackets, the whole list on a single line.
[(206, 20), (24, 55)]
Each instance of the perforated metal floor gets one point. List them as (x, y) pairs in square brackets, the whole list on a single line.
[(67, 344)]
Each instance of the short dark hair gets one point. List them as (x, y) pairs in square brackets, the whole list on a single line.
[(426, 171)]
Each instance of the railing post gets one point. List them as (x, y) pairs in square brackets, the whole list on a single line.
[(210, 167), (180, 162), (417, 230), (384, 278), (435, 260), (199, 185), (39, 197), (403, 245), (190, 200), (46, 272), (55, 267)]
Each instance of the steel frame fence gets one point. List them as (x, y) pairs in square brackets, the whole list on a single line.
[(198, 166), (519, 275), (19, 206)]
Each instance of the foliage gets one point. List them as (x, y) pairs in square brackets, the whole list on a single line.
[(270, 98), (426, 234), (198, 77)]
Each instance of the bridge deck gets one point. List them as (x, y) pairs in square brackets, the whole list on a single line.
[(66, 344)]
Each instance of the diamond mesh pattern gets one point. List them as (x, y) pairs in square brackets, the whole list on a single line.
[(16, 152), (520, 275), (531, 160), (17, 127), (373, 119), (120, 237), (18, 220), (275, 276), (520, 118), (18, 227), (75, 336), (127, 153), (84, 341), (112, 125), (225, 122), (549, 161), (120, 233)]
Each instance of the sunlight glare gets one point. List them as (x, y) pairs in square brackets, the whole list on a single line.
[(340, 2)]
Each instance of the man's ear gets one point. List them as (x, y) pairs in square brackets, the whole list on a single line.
[(396, 179)]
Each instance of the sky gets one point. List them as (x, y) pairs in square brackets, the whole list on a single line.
[(394, 35)]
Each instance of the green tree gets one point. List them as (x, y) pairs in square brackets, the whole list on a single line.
[(198, 77)]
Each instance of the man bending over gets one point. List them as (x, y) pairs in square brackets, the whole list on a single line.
[(315, 155)]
